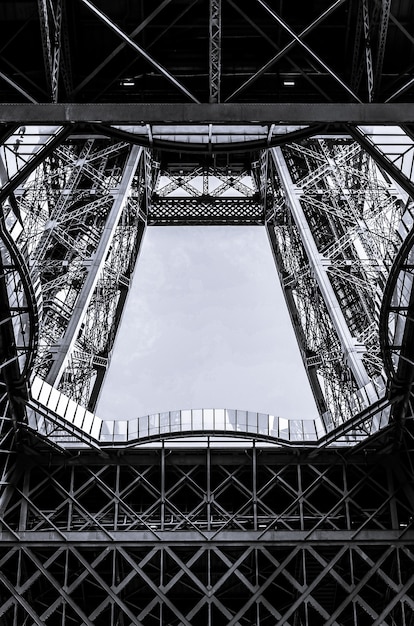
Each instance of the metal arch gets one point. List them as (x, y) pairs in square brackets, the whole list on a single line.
[(401, 373), (31, 308), (217, 147)]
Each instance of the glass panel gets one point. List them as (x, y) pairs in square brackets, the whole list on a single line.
[(241, 418), (208, 419), (88, 421), (263, 424), (71, 410), (62, 405), (120, 430), (175, 418), (44, 393), (309, 430), (320, 429), (133, 428), (107, 430), (36, 387), (186, 420), (283, 428), (231, 418), (79, 416), (143, 426), (154, 423), (53, 399), (96, 428), (252, 422), (164, 422), (197, 419), (219, 419)]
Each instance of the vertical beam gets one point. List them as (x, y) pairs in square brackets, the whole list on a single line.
[(319, 266), (215, 50), (368, 50), (297, 328), (382, 37), (51, 31), (66, 345)]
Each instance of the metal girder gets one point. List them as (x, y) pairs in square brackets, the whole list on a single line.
[(83, 300), (332, 221), (230, 113), (17, 87), (385, 9), (367, 49), (205, 211), (215, 50), (318, 264), (51, 31), (139, 49)]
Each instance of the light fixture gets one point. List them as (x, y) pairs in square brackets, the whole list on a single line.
[(127, 82), (288, 82)]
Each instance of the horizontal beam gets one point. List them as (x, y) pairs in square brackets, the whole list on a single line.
[(94, 538), (290, 113)]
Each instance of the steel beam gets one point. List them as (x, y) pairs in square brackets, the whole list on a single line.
[(85, 296), (318, 264), (215, 50), (17, 87), (230, 113)]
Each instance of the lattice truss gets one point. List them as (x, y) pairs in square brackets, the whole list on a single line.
[(83, 210), (207, 537), (333, 221), (204, 195)]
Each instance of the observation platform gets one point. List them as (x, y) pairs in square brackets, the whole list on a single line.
[(53, 415)]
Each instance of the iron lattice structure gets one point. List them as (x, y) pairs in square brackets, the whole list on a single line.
[(217, 536), (119, 116)]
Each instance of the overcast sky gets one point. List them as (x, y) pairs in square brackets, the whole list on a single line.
[(206, 326)]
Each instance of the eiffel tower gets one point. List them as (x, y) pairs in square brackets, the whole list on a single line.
[(294, 117)]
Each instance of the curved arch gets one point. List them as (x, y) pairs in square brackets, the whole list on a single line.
[(397, 317), (26, 307), (208, 147)]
